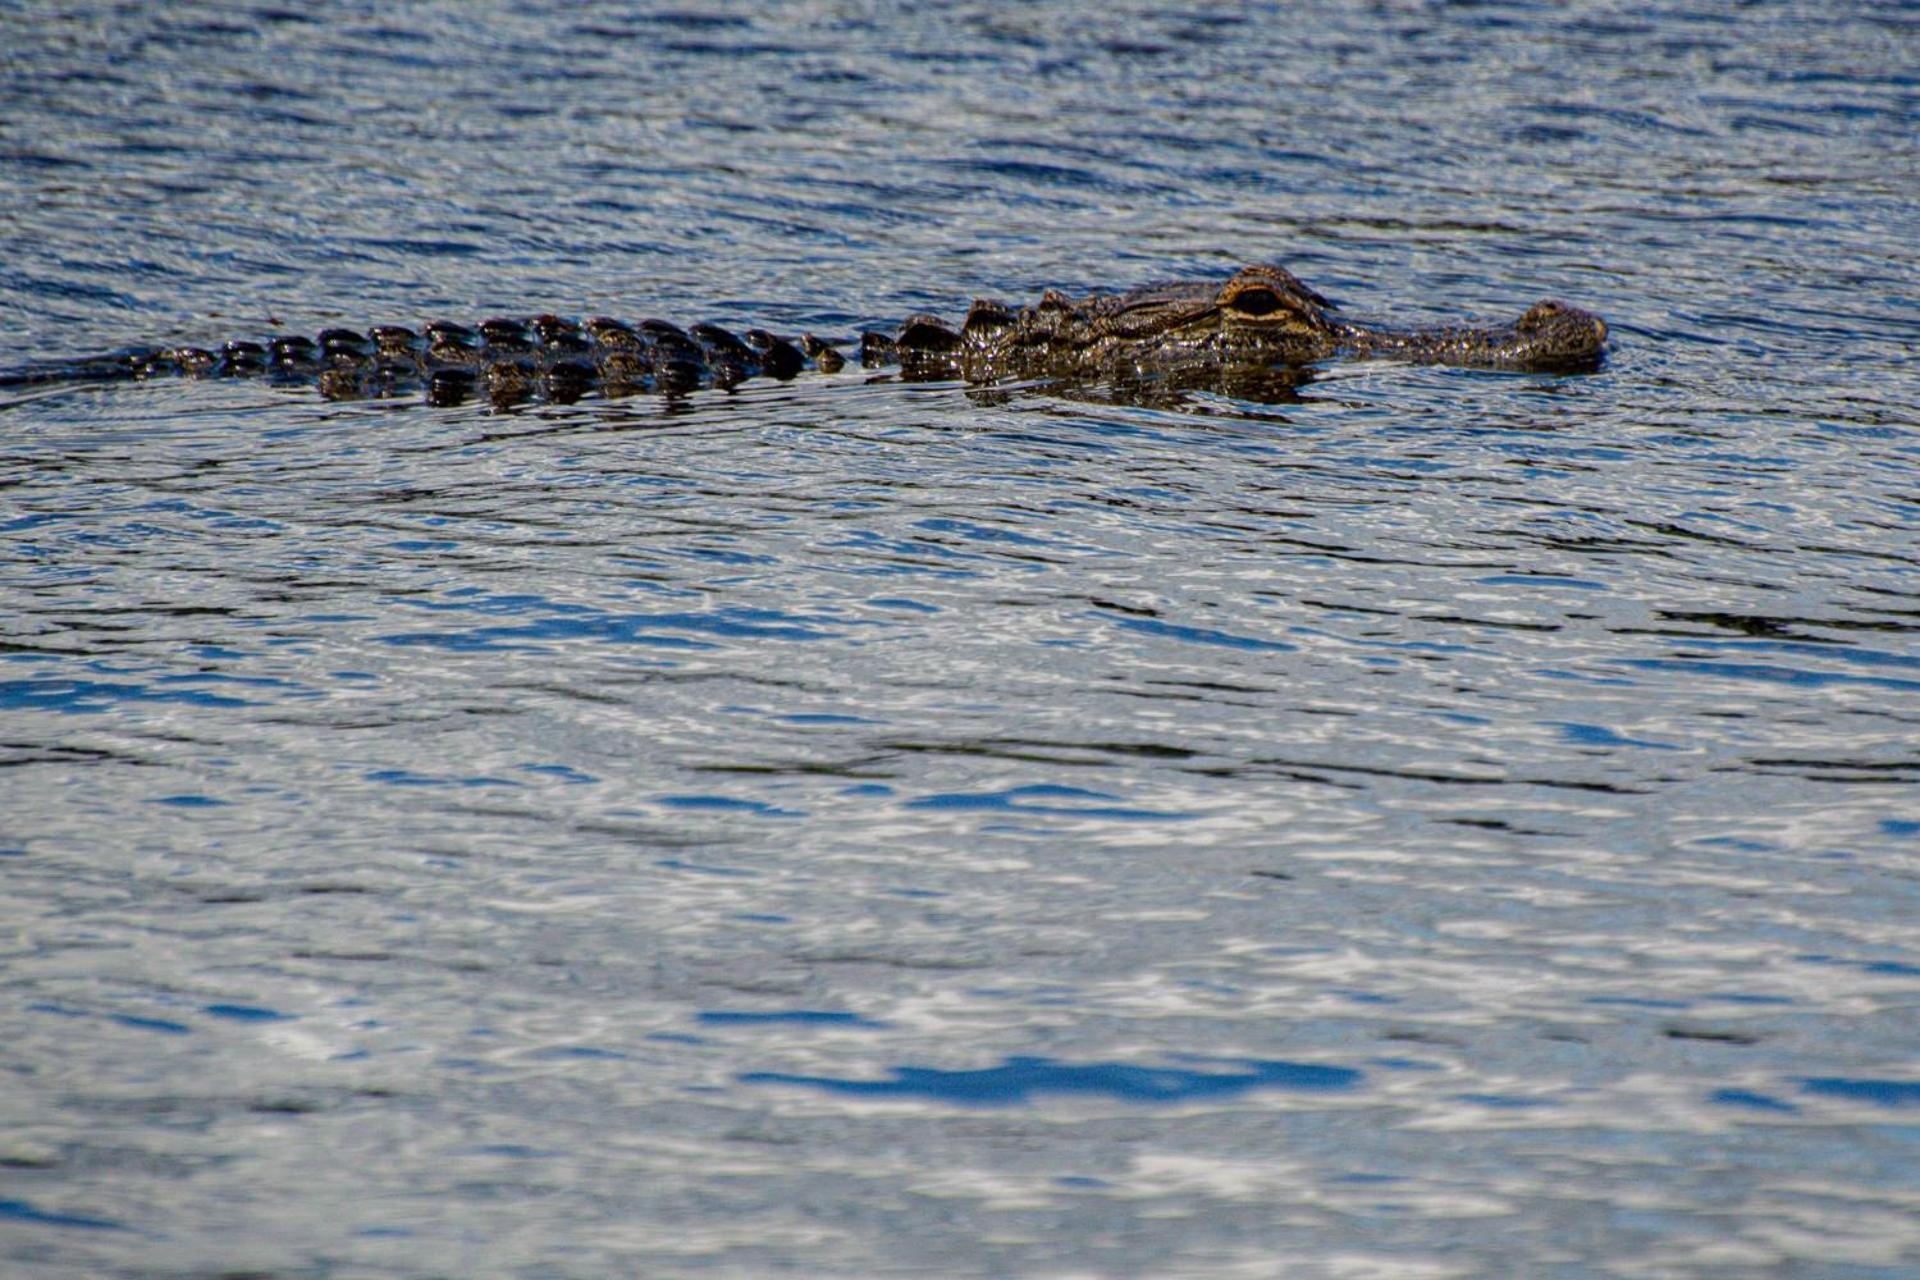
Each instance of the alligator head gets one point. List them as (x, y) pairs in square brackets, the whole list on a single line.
[(1264, 315)]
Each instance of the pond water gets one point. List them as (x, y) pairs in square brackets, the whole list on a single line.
[(1446, 825)]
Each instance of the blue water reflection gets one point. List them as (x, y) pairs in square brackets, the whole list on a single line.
[(25, 1211), (1018, 1080), (1878, 1093)]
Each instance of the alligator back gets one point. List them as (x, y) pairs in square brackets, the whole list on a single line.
[(505, 360)]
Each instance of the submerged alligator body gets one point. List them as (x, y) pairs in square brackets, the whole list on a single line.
[(1261, 320)]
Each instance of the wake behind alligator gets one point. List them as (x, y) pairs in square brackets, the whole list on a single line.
[(1263, 320)]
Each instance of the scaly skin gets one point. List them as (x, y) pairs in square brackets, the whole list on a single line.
[(1262, 319)]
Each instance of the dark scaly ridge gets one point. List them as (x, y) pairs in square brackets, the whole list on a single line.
[(1263, 318)]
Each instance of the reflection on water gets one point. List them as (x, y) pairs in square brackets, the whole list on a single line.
[(1018, 1080), (1400, 821)]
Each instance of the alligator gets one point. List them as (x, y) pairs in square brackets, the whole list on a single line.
[(1261, 319)]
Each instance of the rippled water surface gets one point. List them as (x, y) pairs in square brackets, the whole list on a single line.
[(1442, 825)]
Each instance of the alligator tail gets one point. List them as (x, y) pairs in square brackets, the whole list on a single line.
[(119, 366)]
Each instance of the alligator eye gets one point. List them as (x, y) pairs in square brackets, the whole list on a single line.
[(1541, 314), (1255, 302)]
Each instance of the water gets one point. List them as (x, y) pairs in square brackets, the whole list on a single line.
[(1451, 825)]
